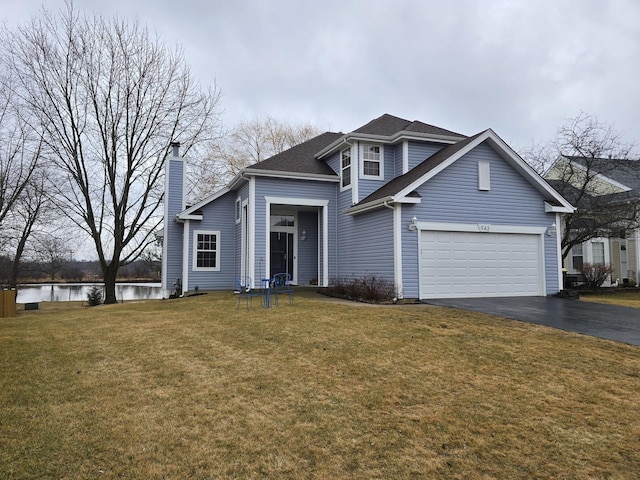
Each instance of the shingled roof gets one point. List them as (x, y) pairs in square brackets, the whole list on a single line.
[(387, 125), (622, 170), (301, 158)]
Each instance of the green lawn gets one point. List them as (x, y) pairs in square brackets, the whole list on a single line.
[(193, 388)]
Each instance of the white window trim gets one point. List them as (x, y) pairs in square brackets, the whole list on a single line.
[(364, 176), (194, 259), (572, 255), (238, 209), (346, 187)]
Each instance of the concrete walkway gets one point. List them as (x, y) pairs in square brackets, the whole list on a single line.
[(611, 322)]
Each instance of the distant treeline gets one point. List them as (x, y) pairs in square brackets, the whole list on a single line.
[(76, 271)]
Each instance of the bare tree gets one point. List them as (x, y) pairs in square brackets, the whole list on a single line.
[(19, 153), (109, 98), (583, 151), (249, 142), (21, 179), (52, 253), (21, 221)]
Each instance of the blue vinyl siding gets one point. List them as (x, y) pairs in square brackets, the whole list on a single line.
[(397, 159), (172, 243), (308, 248), (334, 162), (365, 245), (304, 189), (420, 151), (452, 196), (367, 186), (218, 215)]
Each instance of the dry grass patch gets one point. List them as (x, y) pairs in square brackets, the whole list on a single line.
[(192, 388)]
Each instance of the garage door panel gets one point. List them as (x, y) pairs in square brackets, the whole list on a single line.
[(465, 264)]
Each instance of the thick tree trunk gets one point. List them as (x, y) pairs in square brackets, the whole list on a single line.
[(110, 273)]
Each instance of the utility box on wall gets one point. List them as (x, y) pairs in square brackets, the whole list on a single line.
[(7, 303)]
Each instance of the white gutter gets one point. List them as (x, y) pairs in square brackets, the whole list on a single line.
[(292, 175), (370, 206)]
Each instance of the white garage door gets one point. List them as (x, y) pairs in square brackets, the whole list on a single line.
[(472, 264)]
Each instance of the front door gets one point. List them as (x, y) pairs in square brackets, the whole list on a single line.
[(281, 253)]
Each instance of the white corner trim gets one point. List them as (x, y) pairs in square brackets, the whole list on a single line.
[(325, 245), (355, 172), (185, 256), (252, 228), (405, 156), (397, 248), (559, 251)]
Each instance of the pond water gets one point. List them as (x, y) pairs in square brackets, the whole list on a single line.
[(73, 292)]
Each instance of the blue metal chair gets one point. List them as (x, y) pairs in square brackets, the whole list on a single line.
[(281, 284), (244, 287)]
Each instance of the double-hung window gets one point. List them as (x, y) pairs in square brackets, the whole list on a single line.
[(206, 250), (577, 258), (372, 162), (345, 168), (598, 253)]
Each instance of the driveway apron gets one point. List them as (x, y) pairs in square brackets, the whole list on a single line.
[(611, 322)]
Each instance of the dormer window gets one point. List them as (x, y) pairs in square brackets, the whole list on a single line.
[(372, 162), (345, 169)]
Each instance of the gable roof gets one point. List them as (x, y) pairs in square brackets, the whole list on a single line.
[(397, 189), (390, 129), (622, 174), (388, 125), (300, 158)]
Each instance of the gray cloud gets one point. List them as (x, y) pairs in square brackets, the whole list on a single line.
[(519, 67)]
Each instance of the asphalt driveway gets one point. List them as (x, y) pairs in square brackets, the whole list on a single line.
[(612, 322)]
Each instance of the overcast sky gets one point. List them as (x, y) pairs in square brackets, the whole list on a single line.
[(521, 67)]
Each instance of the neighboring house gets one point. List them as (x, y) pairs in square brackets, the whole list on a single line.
[(609, 185), (435, 212)]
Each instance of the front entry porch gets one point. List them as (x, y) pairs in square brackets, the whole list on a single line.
[(296, 240)]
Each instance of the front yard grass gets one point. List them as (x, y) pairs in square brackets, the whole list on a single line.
[(193, 388), (626, 298)]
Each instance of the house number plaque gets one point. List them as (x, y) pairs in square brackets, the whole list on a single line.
[(484, 227)]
